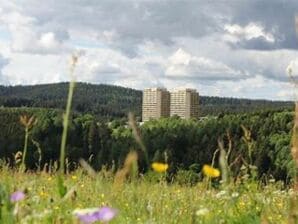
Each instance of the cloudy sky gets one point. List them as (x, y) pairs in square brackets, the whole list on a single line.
[(235, 48)]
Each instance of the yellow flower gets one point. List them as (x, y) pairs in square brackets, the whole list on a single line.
[(43, 194), (74, 177), (160, 167), (209, 171)]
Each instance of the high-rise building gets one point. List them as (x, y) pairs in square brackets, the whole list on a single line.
[(156, 103), (185, 103)]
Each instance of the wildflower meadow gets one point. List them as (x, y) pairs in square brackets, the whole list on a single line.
[(35, 198)]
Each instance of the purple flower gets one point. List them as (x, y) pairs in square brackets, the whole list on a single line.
[(17, 196), (106, 214), (91, 215)]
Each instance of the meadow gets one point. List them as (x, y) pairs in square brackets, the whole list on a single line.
[(140, 200)]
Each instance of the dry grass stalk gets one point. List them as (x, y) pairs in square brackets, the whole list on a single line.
[(293, 214), (28, 123), (294, 149), (128, 168), (90, 171), (249, 142), (223, 162), (137, 136), (135, 131)]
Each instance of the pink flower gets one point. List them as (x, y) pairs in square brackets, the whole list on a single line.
[(17, 196)]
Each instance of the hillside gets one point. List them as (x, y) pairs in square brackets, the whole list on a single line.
[(101, 100), (114, 102)]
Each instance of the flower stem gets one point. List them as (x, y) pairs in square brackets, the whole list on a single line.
[(23, 165), (66, 116)]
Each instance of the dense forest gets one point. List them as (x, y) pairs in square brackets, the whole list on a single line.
[(102, 100), (108, 102), (258, 140)]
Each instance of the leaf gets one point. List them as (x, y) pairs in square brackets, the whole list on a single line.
[(62, 189)]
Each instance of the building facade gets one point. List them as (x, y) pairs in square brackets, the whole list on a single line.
[(156, 103), (185, 103)]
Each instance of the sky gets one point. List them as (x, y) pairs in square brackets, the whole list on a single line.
[(231, 48)]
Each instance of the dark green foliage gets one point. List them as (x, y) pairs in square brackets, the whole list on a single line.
[(186, 177), (189, 142), (6, 207), (183, 144), (213, 105)]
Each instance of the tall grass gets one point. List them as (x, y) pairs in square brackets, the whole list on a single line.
[(67, 114), (28, 123)]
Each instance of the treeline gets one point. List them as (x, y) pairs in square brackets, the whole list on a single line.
[(108, 102), (103, 101), (259, 140), (211, 105)]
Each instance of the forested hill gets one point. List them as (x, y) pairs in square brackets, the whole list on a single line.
[(101, 100), (114, 101)]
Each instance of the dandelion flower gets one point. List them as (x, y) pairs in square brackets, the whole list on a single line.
[(91, 215), (209, 171), (160, 167), (17, 196)]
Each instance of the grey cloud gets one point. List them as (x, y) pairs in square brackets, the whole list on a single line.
[(276, 16), (134, 21), (259, 43), (107, 70), (3, 63)]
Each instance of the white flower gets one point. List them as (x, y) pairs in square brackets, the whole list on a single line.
[(235, 194), (220, 194), (202, 212)]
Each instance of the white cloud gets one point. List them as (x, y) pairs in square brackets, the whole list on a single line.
[(27, 40), (25, 69), (256, 87), (49, 41), (248, 32), (27, 36), (180, 57), (182, 64)]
